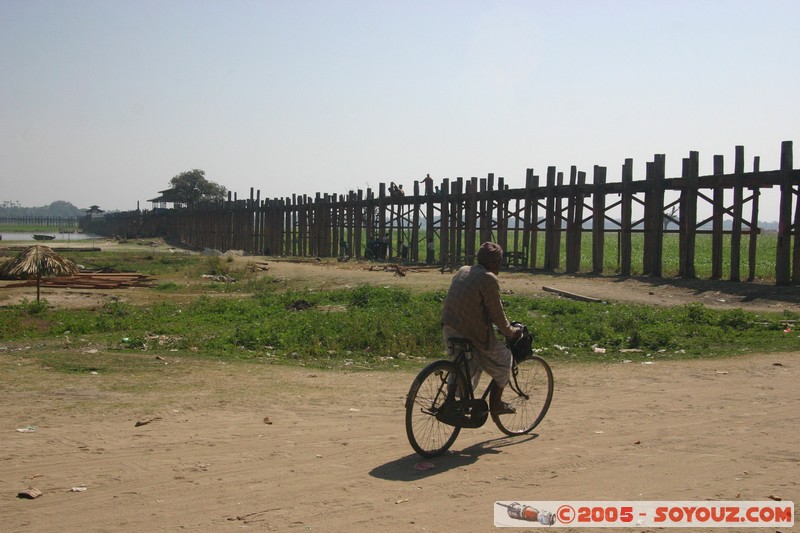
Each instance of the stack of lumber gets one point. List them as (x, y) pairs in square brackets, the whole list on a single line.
[(93, 280)]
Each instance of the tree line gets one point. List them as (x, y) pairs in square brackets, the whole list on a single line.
[(57, 209)]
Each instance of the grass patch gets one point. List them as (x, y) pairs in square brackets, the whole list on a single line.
[(566, 329), (257, 319), (144, 262), (765, 254), (376, 327)]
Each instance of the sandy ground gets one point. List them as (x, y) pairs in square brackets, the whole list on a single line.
[(334, 456), (242, 446)]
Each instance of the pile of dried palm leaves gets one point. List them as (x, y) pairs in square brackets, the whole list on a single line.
[(38, 262)]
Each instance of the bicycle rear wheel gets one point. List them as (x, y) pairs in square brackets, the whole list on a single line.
[(428, 435), (529, 391)]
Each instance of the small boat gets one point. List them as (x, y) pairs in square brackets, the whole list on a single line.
[(42, 237)]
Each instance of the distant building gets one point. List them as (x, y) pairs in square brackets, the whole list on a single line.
[(94, 212), (168, 196)]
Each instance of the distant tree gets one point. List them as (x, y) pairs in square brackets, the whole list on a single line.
[(58, 208), (192, 187)]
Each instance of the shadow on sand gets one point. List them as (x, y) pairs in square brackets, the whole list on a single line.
[(402, 469)]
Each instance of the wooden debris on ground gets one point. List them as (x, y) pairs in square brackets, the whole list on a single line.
[(30, 494), (572, 295), (400, 270), (219, 277), (144, 422), (92, 280)]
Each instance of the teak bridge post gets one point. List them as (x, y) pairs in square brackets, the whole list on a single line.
[(541, 227)]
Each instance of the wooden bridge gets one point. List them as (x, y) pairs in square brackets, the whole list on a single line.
[(457, 215)]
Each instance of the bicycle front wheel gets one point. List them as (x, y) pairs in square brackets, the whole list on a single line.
[(529, 391), (428, 435)]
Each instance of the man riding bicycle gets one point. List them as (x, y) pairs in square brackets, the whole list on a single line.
[(471, 308)]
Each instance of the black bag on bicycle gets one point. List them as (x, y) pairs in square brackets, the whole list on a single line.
[(521, 347)]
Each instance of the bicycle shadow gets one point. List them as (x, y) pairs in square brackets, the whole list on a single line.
[(402, 469)]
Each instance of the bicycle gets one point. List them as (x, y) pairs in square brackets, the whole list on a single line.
[(441, 400)]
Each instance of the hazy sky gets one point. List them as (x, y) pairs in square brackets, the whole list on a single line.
[(104, 101)]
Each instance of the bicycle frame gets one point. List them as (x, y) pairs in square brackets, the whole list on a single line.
[(462, 363), (463, 349), (466, 411)]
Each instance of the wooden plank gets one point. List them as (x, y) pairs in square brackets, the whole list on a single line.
[(384, 232), (659, 168), (502, 216), (527, 226), (484, 223), (626, 219), (755, 192), (783, 249), (691, 165), (336, 232), (572, 252), (559, 223), (796, 232), (736, 228), (716, 222), (598, 219), (430, 224), (358, 226), (457, 218), (647, 246), (550, 221), (444, 224), (415, 209), (490, 209), (535, 225), (572, 295)]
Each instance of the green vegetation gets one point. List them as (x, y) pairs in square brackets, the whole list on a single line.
[(257, 319), (611, 332), (143, 262), (192, 186), (59, 208), (766, 246)]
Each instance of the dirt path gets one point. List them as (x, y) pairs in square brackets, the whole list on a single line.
[(334, 455)]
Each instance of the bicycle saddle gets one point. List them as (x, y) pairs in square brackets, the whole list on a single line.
[(460, 341)]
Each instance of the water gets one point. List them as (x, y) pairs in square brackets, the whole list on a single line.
[(61, 238)]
